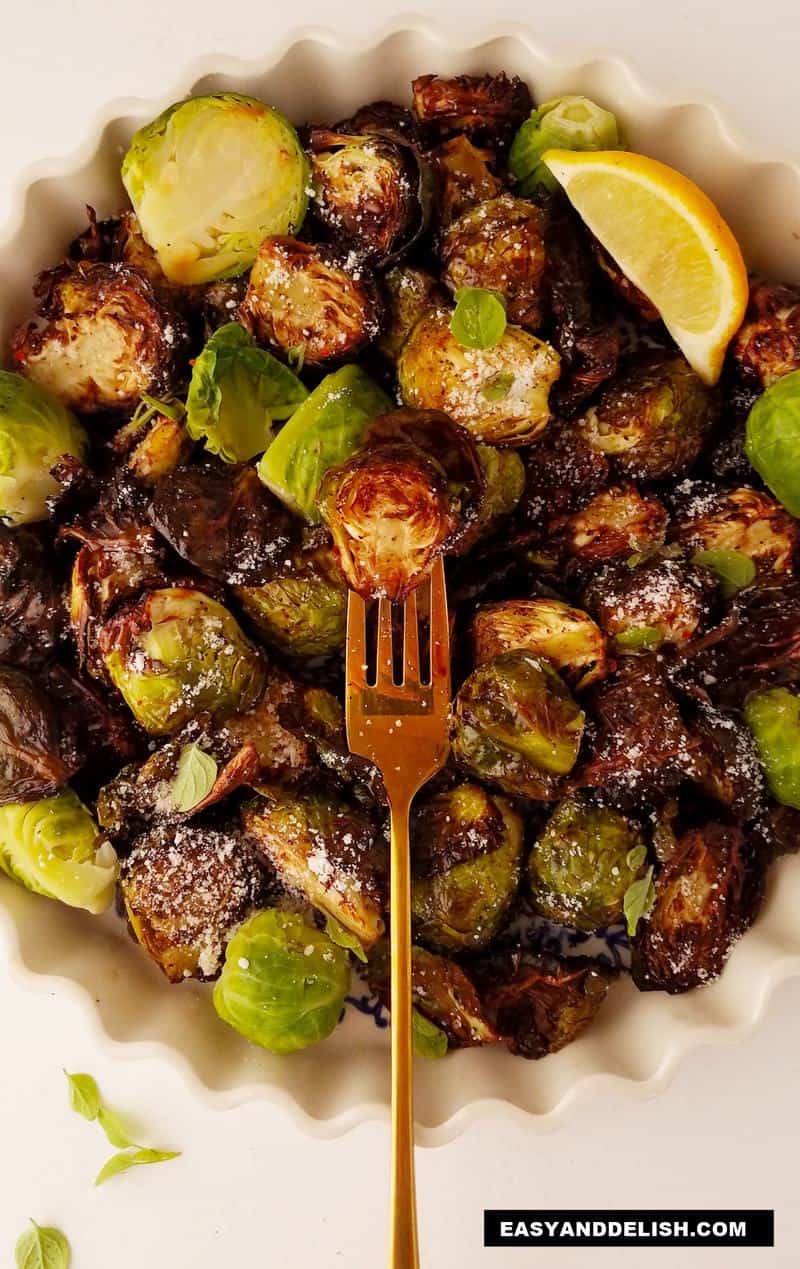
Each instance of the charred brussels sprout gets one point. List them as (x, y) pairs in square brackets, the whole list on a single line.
[(661, 601), (32, 610), (441, 991), (465, 177), (767, 346), (54, 848), (499, 394), (539, 1004), (35, 432), (549, 628), (516, 725), (742, 521), (408, 292), (283, 983), (210, 178), (411, 493), (185, 890), (325, 850), (177, 653), (488, 107), (100, 338), (310, 301), (618, 521), (565, 123), (467, 857), (759, 641), (705, 898), (303, 611), (562, 475), (774, 719), (34, 761), (583, 863), (652, 422), (499, 246), (164, 445)]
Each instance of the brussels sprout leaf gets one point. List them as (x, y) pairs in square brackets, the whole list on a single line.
[(42, 1247), (773, 440), (428, 1039), (84, 1095), (337, 933), (639, 639), (733, 568), (639, 899), (498, 387), (126, 1159), (197, 771), (479, 318)]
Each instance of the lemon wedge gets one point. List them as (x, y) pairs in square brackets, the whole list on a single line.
[(669, 239)]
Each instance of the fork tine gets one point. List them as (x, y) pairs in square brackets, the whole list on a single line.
[(411, 673), (439, 633), (384, 674), (356, 641)]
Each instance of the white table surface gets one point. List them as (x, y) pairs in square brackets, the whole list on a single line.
[(250, 1189)]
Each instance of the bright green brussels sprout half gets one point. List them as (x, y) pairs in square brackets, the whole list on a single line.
[(774, 719), (237, 390), (583, 863), (565, 123), (54, 848), (176, 654), (283, 983), (773, 440), (468, 846), (302, 613), (327, 428), (504, 473), (516, 725), (210, 178), (35, 431)]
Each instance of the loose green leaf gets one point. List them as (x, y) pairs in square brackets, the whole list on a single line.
[(428, 1039), (126, 1159), (772, 444), (639, 899), (174, 410), (479, 318), (42, 1247), (773, 717), (342, 937), (639, 639), (112, 1126), (636, 857), (733, 568), (84, 1095), (194, 779), (498, 387)]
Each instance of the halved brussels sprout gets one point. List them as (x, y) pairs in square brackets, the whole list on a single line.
[(758, 642), (490, 106), (498, 245), (303, 611), (441, 991), (54, 848), (284, 982), (236, 392), (163, 447), (652, 421), (668, 598), (326, 429), (562, 475), (504, 481), (32, 610), (185, 889), (177, 653), (516, 725), (310, 300), (767, 346), (499, 394), (728, 765), (548, 628), (210, 178), (325, 850), (35, 761), (408, 292), (465, 177), (742, 520), (583, 863), (618, 521), (773, 717), (100, 338), (467, 848), (565, 123), (35, 432)]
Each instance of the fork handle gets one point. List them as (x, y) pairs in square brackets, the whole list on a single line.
[(403, 1247)]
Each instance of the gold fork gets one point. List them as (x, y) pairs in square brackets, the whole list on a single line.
[(399, 723)]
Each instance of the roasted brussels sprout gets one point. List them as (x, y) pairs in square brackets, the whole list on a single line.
[(35, 761), (652, 422), (767, 346), (644, 309), (311, 301), (516, 725), (465, 177), (210, 178), (128, 245), (773, 717), (284, 982), (185, 889), (467, 848), (32, 608), (728, 766), (500, 394), (411, 493), (236, 392), (772, 437), (539, 1004), (757, 644), (487, 107), (583, 863), (504, 481), (442, 993), (303, 611), (325, 850), (562, 475), (549, 628), (162, 447), (177, 653), (35, 432), (54, 848), (618, 521), (742, 520), (659, 601), (499, 245), (565, 123), (100, 338), (408, 292), (705, 898)]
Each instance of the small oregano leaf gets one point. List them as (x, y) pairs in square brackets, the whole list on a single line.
[(639, 639), (114, 1129), (194, 779), (119, 1163), (173, 410), (342, 937), (479, 318), (638, 900), (498, 387), (84, 1095), (428, 1040), (636, 857), (734, 569), (42, 1247)]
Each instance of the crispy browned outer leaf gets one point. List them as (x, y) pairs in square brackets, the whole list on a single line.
[(741, 519), (777, 831), (441, 990), (625, 289), (706, 897), (618, 522), (563, 474), (757, 643), (539, 1004), (465, 177), (442, 839), (768, 343), (33, 763), (33, 610), (486, 107), (728, 766), (104, 736)]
